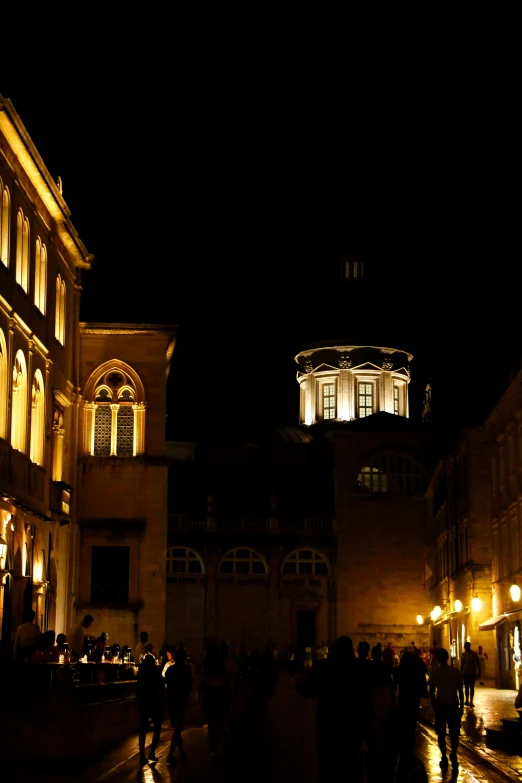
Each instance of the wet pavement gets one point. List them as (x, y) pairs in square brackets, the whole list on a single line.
[(287, 752)]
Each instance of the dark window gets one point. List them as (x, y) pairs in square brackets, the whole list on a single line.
[(110, 574)]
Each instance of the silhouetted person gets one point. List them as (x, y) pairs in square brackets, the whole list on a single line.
[(78, 637), (140, 650), (215, 697), (408, 699), (335, 683), (447, 699), (470, 669), (26, 638), (179, 684), (149, 696)]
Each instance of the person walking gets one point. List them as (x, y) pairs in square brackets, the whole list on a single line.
[(470, 668), (447, 699), (178, 678), (483, 656), (149, 700), (335, 683)]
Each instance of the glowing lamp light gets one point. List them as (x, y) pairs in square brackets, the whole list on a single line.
[(458, 605), (3, 548), (514, 591), (420, 619), (437, 611), (476, 604), (432, 615)]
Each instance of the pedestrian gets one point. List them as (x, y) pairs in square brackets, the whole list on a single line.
[(335, 683), (215, 697), (149, 701), (434, 660), (447, 700), (388, 656), (26, 637), (178, 679), (78, 637), (140, 650), (470, 668), (406, 681), (483, 656)]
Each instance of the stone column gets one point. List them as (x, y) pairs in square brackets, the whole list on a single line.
[(114, 428), (139, 428), (89, 413)]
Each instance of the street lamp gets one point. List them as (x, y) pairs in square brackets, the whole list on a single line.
[(458, 605), (515, 592), (420, 619), (476, 604)]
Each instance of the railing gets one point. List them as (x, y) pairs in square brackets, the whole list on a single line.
[(222, 523)]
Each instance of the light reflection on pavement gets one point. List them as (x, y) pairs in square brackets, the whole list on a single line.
[(288, 750)]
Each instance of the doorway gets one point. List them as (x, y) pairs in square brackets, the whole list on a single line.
[(305, 630)]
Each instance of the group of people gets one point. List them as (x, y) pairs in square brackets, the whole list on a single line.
[(234, 685), (368, 705)]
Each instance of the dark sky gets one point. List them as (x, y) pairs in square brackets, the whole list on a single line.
[(218, 195)]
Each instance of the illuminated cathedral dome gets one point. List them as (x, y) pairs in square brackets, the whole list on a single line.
[(341, 382)]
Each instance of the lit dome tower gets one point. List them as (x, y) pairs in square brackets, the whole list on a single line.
[(346, 381)]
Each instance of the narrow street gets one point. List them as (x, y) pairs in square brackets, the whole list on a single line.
[(287, 753)]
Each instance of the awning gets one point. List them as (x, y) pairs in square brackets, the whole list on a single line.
[(492, 623)]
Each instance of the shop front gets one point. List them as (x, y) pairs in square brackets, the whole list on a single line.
[(507, 629)]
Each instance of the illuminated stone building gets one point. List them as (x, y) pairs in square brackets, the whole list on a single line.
[(312, 531), (41, 259), (504, 431), (459, 576), (83, 476)]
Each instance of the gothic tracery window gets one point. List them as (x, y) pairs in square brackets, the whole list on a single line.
[(22, 250), (116, 415)]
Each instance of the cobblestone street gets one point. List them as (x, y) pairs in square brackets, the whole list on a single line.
[(288, 750)]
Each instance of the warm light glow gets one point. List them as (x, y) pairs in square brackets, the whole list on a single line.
[(432, 614), (420, 619), (515, 592), (437, 611), (458, 605), (3, 550), (476, 604)]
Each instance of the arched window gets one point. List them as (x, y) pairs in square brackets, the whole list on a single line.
[(5, 217), (115, 420), (59, 315), (19, 403), (243, 562), (306, 561), (37, 419), (22, 250), (392, 473), (182, 561), (40, 275), (3, 385)]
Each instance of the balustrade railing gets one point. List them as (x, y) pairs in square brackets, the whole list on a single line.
[(222, 523)]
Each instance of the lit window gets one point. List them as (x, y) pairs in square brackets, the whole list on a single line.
[(22, 250), (365, 392), (392, 473), (183, 562), (5, 217), (116, 423), (3, 384), (19, 403), (59, 315), (37, 419), (329, 401), (306, 562), (396, 400), (40, 275), (243, 562)]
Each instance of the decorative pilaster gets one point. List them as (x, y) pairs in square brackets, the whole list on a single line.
[(89, 413), (139, 429)]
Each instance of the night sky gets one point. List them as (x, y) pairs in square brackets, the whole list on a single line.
[(219, 198)]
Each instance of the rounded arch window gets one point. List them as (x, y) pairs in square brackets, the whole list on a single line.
[(392, 473), (184, 561), (306, 562), (243, 562)]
